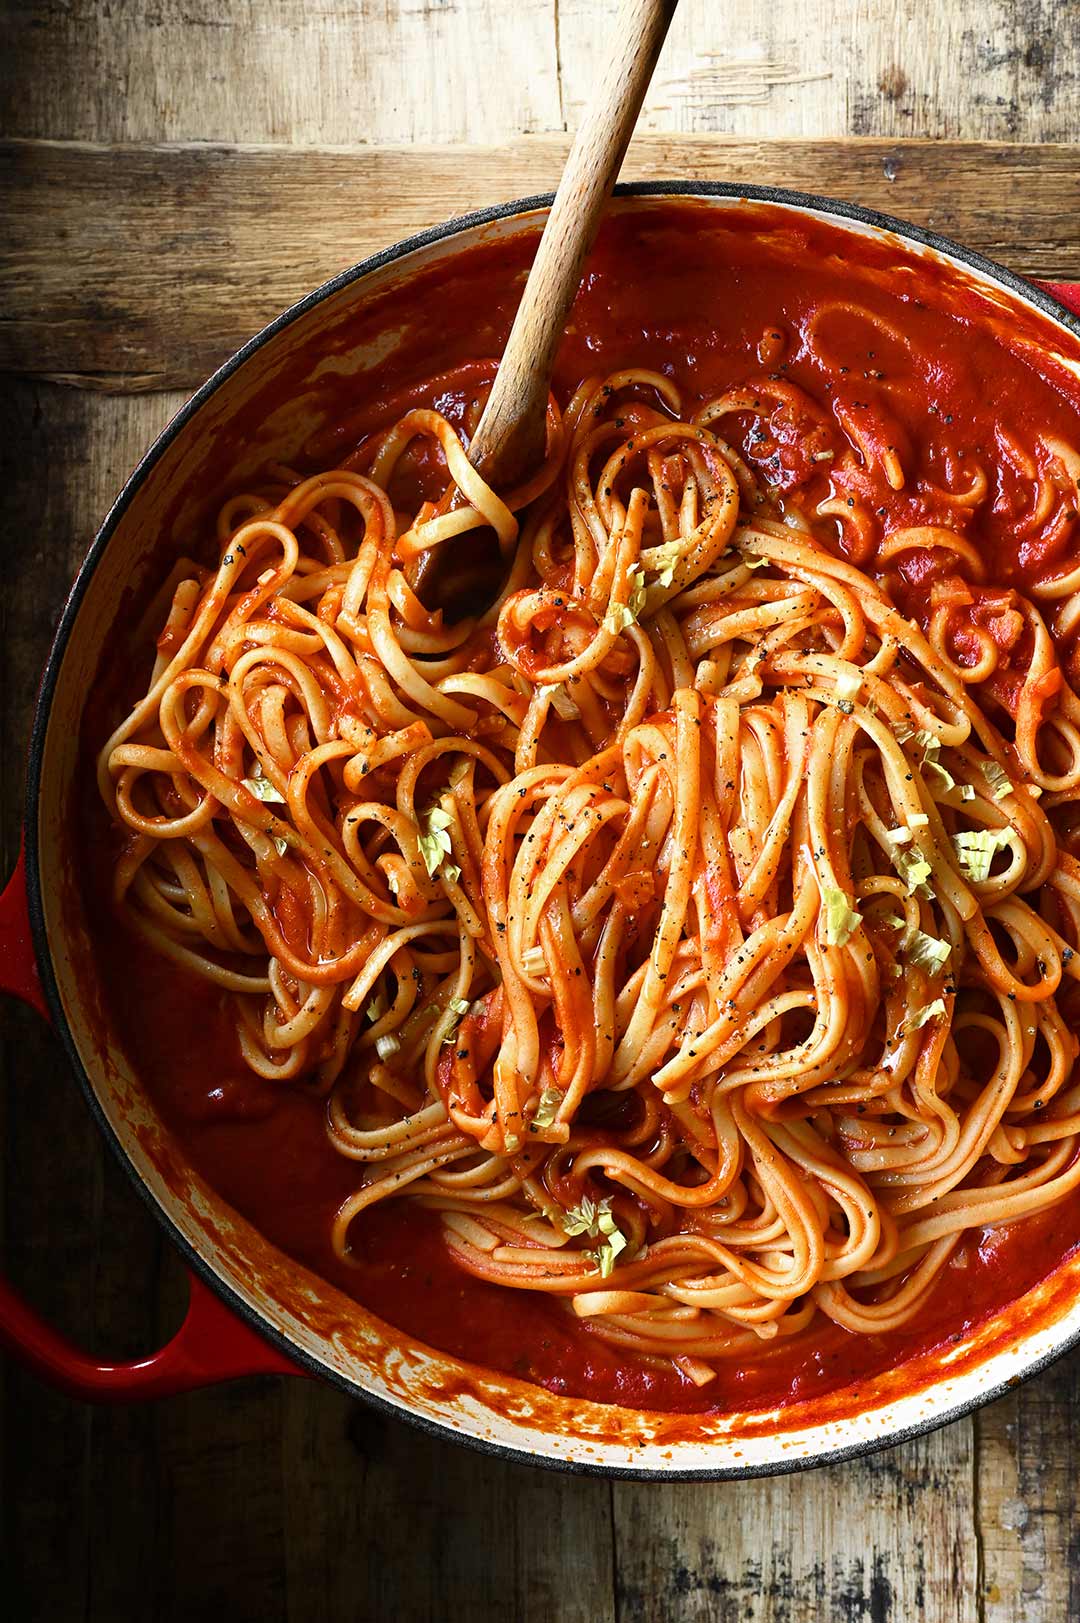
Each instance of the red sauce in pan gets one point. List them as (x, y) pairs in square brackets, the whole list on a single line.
[(693, 300)]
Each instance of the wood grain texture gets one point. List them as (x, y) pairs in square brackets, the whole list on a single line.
[(142, 267), (77, 1241), (290, 1504), (509, 440), (891, 1537), (415, 1517), (1028, 1453), (301, 71), (338, 72), (996, 70)]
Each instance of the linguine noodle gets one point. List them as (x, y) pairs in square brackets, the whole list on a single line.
[(689, 929)]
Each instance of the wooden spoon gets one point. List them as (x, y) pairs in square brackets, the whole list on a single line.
[(509, 441), (510, 437)]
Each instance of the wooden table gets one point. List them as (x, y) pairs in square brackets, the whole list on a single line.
[(139, 256)]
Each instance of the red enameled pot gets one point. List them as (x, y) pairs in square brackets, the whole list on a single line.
[(253, 1310)]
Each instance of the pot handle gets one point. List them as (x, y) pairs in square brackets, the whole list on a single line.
[(1067, 293), (211, 1345)]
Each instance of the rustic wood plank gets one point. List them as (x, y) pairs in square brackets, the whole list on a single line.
[(220, 1506), (46, 1439), (334, 72), (102, 1507), (1028, 1494), (57, 1183), (140, 267), (421, 1529), (996, 71), (888, 1539), (1001, 70), (330, 71)]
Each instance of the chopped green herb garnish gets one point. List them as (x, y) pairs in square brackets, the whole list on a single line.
[(621, 615), (458, 1007), (560, 701), (434, 841), (597, 1221), (913, 870), (608, 1250), (588, 1217), (924, 951), (841, 919), (998, 779), (262, 788), (944, 776), (666, 559), (929, 1011), (975, 850), (548, 1107), (930, 744)]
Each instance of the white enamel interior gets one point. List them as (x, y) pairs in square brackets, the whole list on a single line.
[(311, 1316)]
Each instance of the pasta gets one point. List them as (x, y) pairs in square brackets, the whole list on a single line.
[(689, 929)]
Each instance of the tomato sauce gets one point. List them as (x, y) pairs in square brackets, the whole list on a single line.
[(890, 352)]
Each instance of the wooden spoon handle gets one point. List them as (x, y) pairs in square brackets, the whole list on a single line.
[(509, 440)]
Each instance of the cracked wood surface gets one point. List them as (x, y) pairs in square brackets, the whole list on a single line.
[(286, 1501)]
